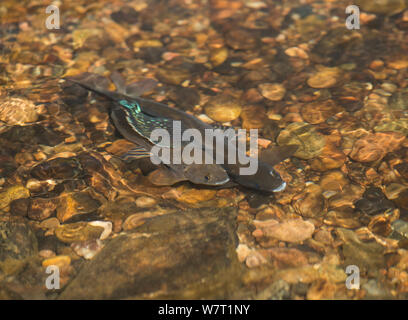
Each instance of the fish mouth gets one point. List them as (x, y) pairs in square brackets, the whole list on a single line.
[(219, 183), (280, 188)]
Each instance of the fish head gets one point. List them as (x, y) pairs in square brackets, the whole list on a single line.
[(206, 174), (269, 179), (265, 179)]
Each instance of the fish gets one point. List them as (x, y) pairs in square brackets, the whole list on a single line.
[(136, 126), (265, 179)]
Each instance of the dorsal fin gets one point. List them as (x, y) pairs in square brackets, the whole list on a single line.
[(275, 154), (135, 89)]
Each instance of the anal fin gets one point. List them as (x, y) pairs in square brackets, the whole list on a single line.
[(165, 177)]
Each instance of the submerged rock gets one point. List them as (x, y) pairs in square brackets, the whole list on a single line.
[(367, 256), (58, 168), (387, 7), (12, 193), (373, 147), (272, 91), (17, 111), (186, 255), (76, 203), (310, 142), (78, 232), (17, 243), (223, 108)]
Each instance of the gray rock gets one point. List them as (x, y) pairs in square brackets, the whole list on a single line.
[(186, 255)]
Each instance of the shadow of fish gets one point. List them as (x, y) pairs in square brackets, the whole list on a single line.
[(265, 179), (136, 126)]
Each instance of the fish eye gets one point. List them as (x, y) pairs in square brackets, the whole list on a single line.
[(207, 178)]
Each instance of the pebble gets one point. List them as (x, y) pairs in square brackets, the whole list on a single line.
[(193, 196), (324, 78), (373, 202), (223, 108), (330, 158), (145, 202), (333, 181), (253, 117), (297, 52), (58, 168), (380, 225), (87, 249), (59, 261), (294, 230), (393, 190), (243, 252), (400, 227), (147, 43), (172, 76), (46, 253), (399, 125), (342, 217), (77, 232), (17, 111), (50, 223), (12, 193), (272, 91), (76, 203), (41, 208), (218, 56), (310, 142), (375, 146), (133, 221), (319, 111), (310, 203), (255, 259), (387, 7)]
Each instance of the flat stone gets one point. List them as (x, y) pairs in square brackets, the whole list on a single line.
[(187, 255)]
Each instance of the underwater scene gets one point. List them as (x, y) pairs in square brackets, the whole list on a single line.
[(204, 149)]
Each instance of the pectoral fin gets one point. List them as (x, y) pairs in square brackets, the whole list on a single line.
[(165, 177), (136, 153), (276, 154)]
